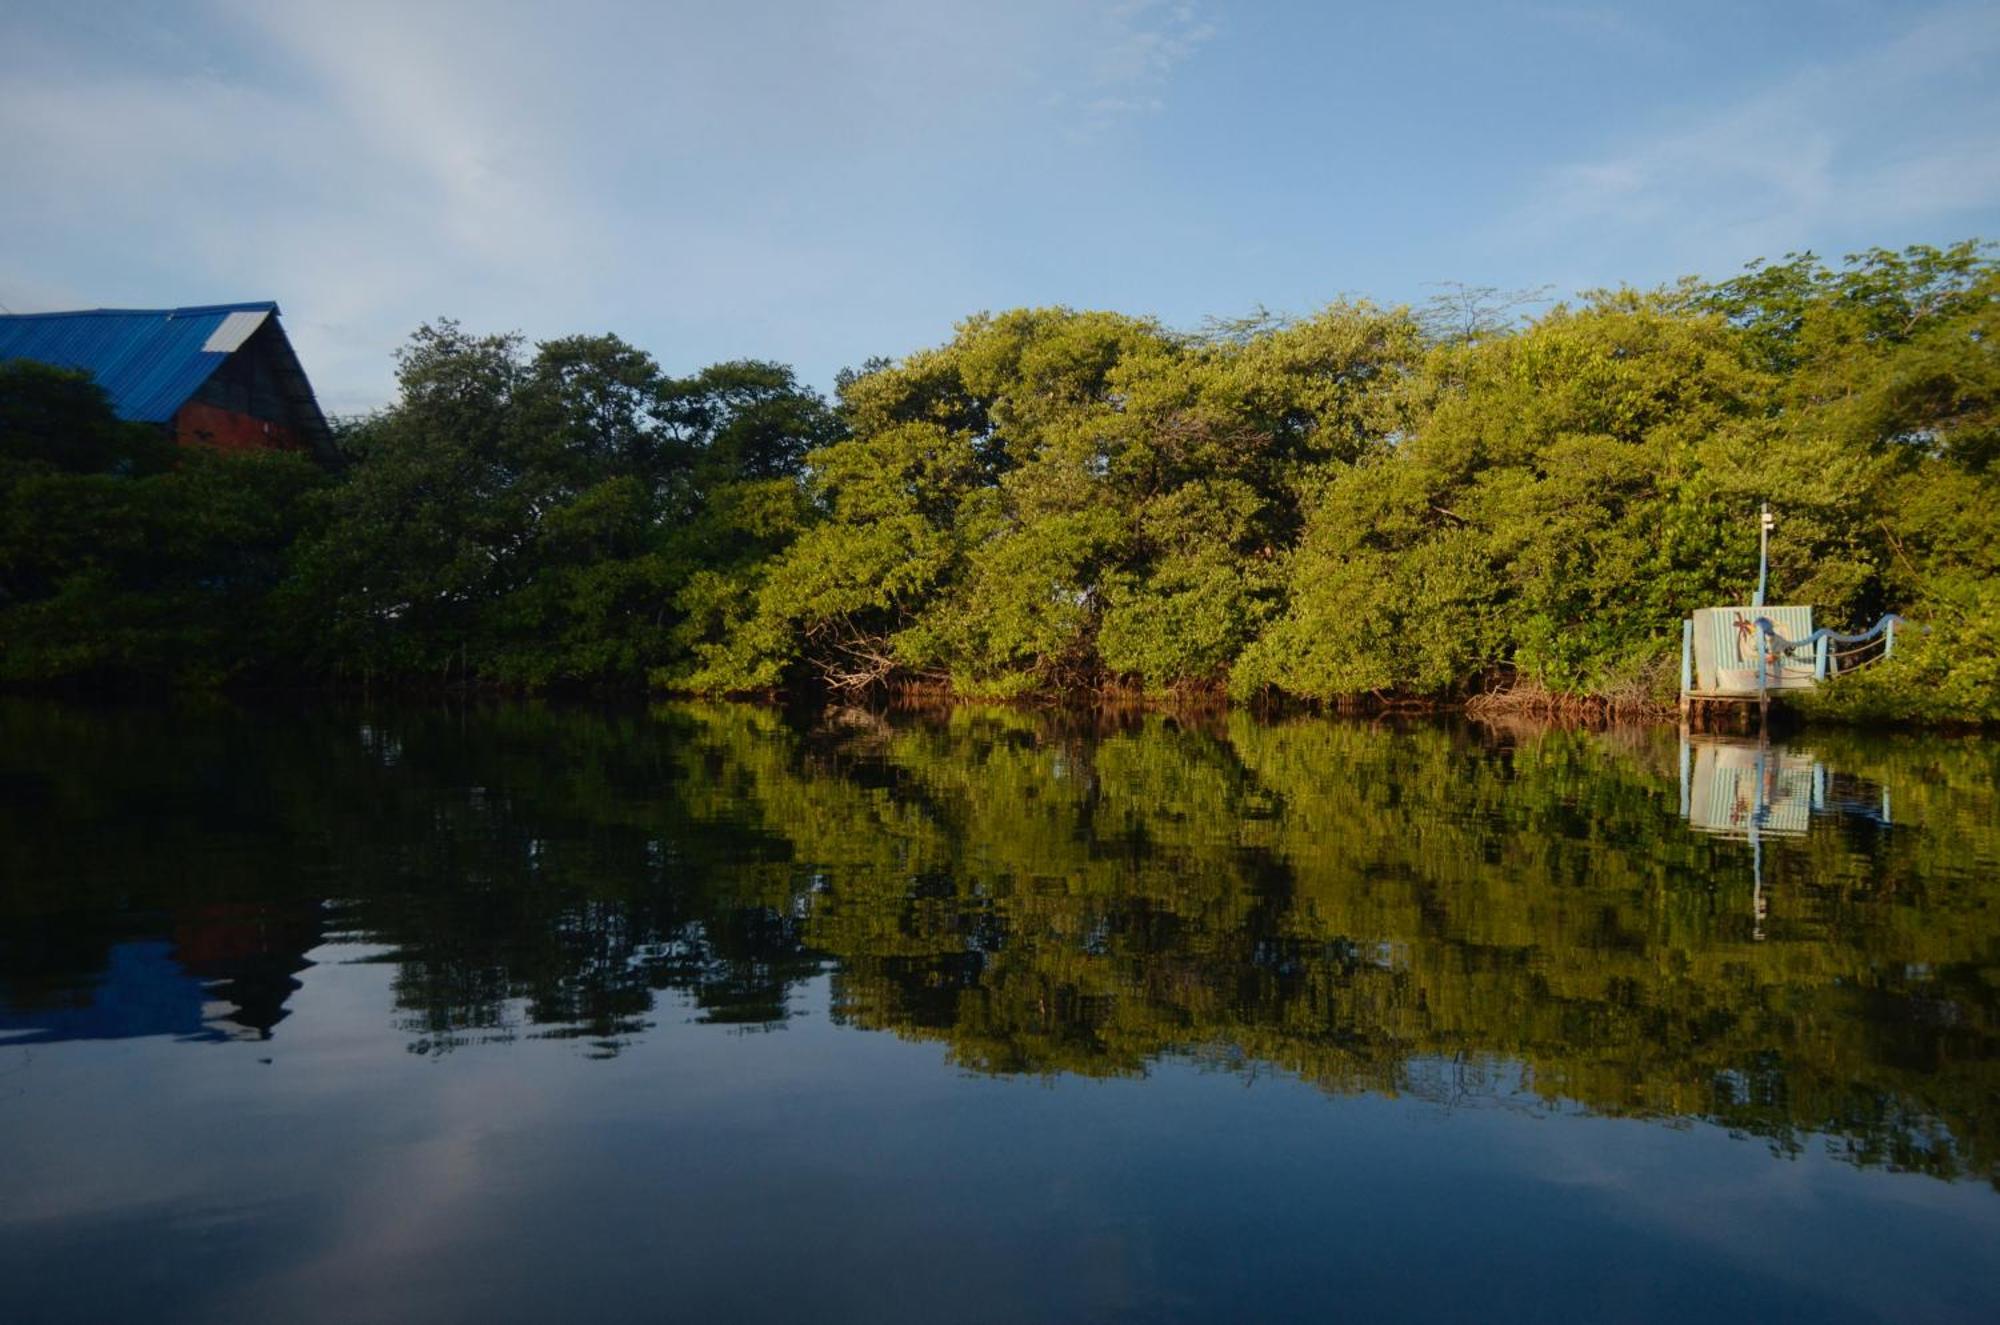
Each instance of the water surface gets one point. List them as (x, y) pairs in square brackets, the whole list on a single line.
[(510, 1013)]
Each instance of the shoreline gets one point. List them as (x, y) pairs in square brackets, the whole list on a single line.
[(1490, 707)]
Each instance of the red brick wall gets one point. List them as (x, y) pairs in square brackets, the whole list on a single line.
[(209, 425)]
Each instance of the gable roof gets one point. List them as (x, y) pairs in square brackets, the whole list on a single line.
[(150, 360)]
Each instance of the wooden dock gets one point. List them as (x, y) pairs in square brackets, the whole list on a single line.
[(1738, 656)]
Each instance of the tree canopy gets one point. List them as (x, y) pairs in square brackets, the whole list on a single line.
[(1366, 501)]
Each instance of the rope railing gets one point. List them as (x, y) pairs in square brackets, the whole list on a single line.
[(1880, 639), (1781, 662)]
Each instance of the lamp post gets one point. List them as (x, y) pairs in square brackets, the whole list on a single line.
[(1764, 523)]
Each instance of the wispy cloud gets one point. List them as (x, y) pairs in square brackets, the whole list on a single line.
[(1137, 48), (373, 164), (1150, 39), (816, 180), (1898, 138), (440, 99), (357, 166)]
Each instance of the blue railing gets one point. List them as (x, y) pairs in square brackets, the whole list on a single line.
[(1821, 642)]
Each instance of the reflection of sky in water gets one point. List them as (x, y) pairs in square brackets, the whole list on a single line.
[(833, 1173)]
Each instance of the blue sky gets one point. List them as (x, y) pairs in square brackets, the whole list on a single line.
[(818, 182)]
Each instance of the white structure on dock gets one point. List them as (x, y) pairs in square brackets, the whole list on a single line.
[(1745, 654)]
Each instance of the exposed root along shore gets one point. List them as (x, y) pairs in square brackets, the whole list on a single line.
[(1518, 701), (1533, 701)]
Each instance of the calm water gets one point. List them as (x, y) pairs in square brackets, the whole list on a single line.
[(704, 1013)]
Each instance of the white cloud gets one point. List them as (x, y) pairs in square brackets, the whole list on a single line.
[(689, 174), (445, 102), (1149, 40), (1131, 59), (1900, 137)]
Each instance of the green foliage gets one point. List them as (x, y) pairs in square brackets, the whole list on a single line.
[(1064, 500), (1544, 514), (1363, 502), (124, 560), (57, 419), (1947, 672), (557, 519), (1569, 491)]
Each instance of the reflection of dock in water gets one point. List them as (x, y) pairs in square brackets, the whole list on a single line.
[(1753, 790)]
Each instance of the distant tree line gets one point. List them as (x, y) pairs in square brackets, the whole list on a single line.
[(1378, 502)]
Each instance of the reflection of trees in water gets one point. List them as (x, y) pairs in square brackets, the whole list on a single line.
[(1481, 917)]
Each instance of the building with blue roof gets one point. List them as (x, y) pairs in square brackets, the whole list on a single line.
[(220, 374)]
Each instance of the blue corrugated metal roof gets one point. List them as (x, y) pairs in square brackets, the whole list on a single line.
[(148, 360)]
